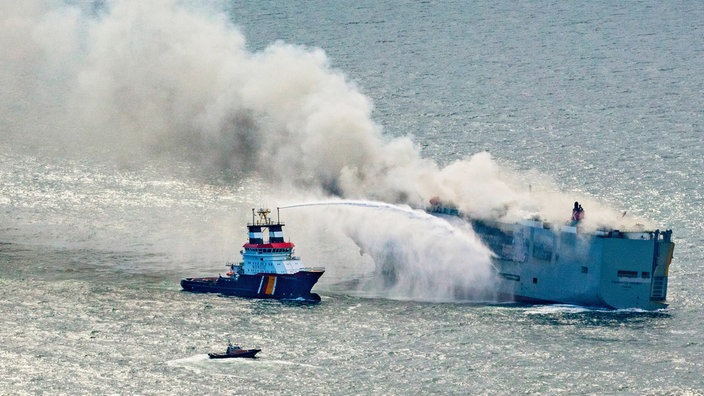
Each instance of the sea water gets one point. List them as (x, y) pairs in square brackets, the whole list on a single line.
[(602, 99)]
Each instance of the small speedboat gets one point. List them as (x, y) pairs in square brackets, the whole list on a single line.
[(235, 351)]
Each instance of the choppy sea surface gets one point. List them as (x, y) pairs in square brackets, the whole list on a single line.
[(606, 98)]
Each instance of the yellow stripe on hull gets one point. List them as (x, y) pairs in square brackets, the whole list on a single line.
[(270, 285), (669, 259)]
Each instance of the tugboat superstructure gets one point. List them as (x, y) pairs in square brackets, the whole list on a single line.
[(269, 267)]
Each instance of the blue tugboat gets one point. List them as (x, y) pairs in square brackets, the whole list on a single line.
[(269, 268)]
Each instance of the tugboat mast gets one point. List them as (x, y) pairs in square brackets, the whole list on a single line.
[(263, 217)]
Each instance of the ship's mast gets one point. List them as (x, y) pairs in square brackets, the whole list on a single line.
[(263, 216)]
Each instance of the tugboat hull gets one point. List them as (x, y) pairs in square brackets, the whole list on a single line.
[(276, 286)]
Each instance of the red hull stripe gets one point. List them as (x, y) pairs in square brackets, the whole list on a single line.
[(280, 245)]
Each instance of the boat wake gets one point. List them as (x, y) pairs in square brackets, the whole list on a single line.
[(559, 309), (201, 363), (195, 363)]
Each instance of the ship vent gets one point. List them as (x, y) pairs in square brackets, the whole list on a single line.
[(276, 234), (659, 288), (255, 235)]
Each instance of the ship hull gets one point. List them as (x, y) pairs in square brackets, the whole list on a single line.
[(616, 270), (270, 286)]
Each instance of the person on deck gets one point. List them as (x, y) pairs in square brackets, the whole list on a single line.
[(575, 211)]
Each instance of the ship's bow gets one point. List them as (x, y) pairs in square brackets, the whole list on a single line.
[(635, 270)]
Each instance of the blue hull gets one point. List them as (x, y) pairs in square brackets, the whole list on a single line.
[(275, 286)]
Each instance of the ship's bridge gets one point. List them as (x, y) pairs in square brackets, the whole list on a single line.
[(266, 250)]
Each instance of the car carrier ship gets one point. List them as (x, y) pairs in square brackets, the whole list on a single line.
[(540, 262)]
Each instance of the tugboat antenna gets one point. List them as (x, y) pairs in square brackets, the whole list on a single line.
[(278, 220)]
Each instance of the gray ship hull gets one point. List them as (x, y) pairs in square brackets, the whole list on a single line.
[(539, 263)]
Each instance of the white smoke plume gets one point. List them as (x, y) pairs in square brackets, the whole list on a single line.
[(128, 79), (131, 79)]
